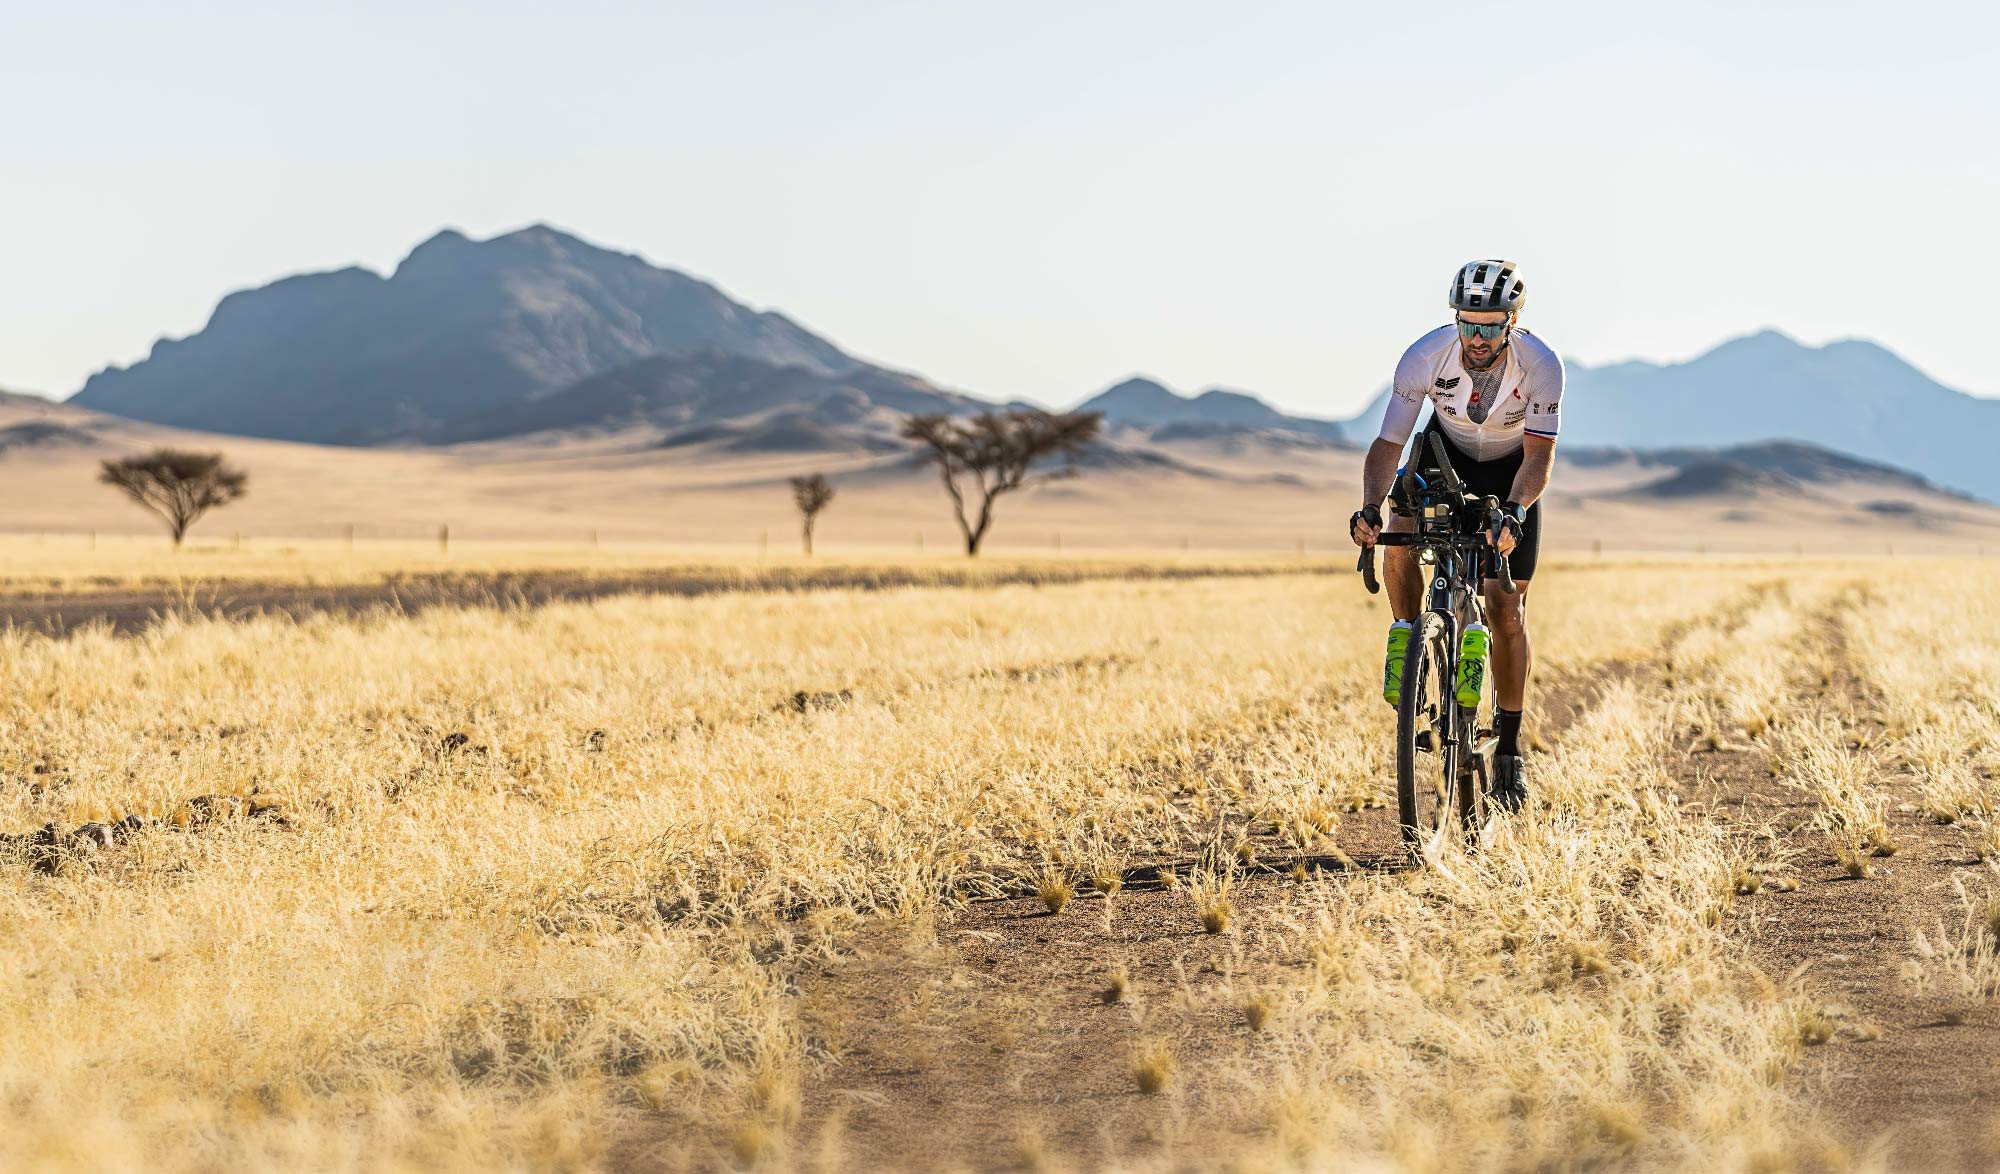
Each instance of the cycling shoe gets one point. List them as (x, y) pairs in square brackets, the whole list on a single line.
[(1510, 785)]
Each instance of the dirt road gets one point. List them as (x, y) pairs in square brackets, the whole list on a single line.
[(1002, 1037)]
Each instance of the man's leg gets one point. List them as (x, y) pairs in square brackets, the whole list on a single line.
[(1507, 616), (1507, 619), (1400, 576)]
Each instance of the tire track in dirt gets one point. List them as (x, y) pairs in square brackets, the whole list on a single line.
[(1928, 1088)]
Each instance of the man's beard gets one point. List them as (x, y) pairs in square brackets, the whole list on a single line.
[(1490, 359)]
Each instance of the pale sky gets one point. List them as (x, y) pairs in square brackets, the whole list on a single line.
[(1033, 198)]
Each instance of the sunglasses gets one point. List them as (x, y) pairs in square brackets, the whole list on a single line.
[(1485, 330)]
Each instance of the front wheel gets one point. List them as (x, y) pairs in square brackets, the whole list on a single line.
[(1427, 753)]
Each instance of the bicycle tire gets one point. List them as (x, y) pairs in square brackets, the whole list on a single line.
[(1420, 808)]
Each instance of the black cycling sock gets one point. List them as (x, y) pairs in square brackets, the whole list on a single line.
[(1507, 724)]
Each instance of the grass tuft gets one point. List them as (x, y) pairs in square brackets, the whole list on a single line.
[(1055, 892), (1153, 1067), (1213, 894), (1118, 986)]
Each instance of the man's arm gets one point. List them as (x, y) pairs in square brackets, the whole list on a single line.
[(1538, 460), (1378, 471)]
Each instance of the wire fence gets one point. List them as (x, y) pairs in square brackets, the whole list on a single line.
[(442, 537)]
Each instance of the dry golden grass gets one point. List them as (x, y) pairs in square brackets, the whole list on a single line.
[(78, 564), (542, 873)]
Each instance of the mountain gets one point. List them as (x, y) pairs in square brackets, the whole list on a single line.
[(712, 395), (1851, 396), (461, 326), (1145, 404)]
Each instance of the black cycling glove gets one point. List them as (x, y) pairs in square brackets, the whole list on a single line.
[(1367, 513)]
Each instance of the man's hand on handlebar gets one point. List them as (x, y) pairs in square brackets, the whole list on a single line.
[(1505, 534), (1365, 526)]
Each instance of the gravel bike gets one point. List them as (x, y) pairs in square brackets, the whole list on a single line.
[(1443, 753)]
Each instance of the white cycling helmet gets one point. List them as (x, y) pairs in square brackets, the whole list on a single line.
[(1489, 285)]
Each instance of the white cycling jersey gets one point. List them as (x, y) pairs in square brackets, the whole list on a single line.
[(1528, 398)]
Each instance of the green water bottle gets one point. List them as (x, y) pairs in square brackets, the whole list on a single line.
[(1392, 663), (1472, 649)]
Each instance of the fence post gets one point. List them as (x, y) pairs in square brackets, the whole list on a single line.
[(444, 537), (350, 537), (920, 540)]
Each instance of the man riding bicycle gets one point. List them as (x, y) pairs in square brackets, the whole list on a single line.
[(1497, 397)]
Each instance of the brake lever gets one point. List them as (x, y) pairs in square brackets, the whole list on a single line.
[(1497, 524)]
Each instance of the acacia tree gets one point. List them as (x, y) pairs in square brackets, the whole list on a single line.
[(811, 495), (981, 457), (177, 485)]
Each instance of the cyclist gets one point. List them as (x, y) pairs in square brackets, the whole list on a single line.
[(1496, 392)]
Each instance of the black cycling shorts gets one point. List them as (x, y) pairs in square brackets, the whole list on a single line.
[(1495, 477)]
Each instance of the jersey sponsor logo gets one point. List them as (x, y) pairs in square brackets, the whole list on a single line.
[(1448, 384), (1513, 418), (1447, 409)]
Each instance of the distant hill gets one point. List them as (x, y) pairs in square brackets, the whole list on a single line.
[(45, 434), (1151, 406), (461, 326), (19, 398), (1852, 397), (1774, 463)]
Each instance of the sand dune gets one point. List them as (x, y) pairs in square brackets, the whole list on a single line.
[(1214, 495)]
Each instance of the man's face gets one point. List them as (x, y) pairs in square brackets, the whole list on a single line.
[(1480, 351)]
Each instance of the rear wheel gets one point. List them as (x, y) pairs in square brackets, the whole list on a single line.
[(1427, 754)]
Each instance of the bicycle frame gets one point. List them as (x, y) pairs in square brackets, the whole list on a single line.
[(1454, 552)]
